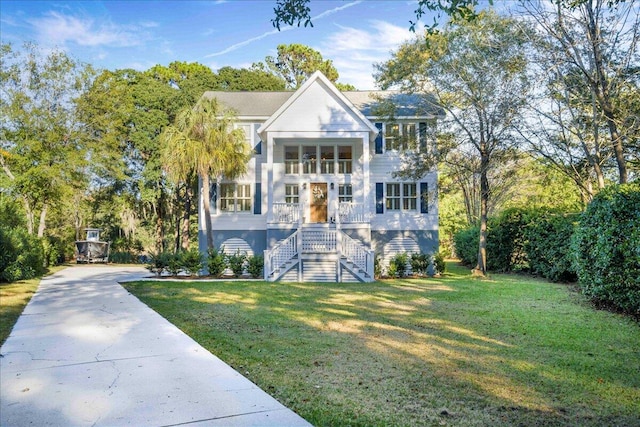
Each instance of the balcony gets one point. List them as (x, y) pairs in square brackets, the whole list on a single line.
[(339, 212)]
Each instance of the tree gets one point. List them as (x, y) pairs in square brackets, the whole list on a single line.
[(476, 72), (42, 147), (590, 57), (296, 62), (202, 141), (248, 79), (297, 12)]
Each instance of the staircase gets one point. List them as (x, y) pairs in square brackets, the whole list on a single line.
[(319, 254)]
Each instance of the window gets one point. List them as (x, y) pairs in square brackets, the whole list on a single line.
[(400, 137), (402, 196), (409, 197), (235, 197), (392, 136), (393, 197), (291, 193), (344, 159), (309, 159), (291, 160), (345, 193), (409, 136), (327, 157)]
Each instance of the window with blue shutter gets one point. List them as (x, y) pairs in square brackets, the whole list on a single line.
[(379, 139), (379, 197), (213, 197), (257, 199), (422, 132), (424, 197)]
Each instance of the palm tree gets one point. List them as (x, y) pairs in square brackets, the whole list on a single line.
[(202, 140)]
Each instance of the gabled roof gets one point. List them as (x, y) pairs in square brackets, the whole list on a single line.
[(322, 87), (265, 104)]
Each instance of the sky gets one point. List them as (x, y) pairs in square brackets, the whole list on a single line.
[(140, 34)]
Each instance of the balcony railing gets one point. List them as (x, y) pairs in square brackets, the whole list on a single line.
[(286, 213), (347, 213)]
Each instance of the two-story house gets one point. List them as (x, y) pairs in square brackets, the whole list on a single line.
[(320, 199)]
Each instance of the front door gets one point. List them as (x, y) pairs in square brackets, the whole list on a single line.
[(319, 202)]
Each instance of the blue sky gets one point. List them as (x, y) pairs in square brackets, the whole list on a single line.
[(140, 34)]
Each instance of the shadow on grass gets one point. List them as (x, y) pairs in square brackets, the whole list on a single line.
[(452, 350)]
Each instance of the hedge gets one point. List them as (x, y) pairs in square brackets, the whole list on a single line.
[(606, 244)]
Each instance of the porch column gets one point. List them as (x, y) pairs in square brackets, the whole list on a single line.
[(269, 187), (365, 175)]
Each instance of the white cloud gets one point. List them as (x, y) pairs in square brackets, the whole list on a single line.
[(60, 29), (355, 50)]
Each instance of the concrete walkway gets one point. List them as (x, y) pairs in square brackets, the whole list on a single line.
[(85, 352)]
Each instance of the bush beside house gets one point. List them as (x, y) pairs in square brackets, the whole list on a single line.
[(606, 244), (599, 248)]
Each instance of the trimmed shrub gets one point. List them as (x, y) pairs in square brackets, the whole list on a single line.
[(398, 265), (466, 243), (174, 263), (255, 266), (191, 261), (158, 263), (236, 263), (21, 255), (438, 263), (377, 266), (216, 262), (548, 245), (606, 246), (420, 263), (505, 243)]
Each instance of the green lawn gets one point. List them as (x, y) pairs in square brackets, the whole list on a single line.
[(455, 350)]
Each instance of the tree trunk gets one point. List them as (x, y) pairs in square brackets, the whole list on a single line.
[(603, 95), (43, 224), (207, 209), (186, 216), (160, 223), (484, 204)]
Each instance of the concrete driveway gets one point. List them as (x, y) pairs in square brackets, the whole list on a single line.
[(85, 352)]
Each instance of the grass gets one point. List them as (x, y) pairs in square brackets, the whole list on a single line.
[(454, 350)]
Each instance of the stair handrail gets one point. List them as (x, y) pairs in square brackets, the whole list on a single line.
[(280, 254), (357, 253)]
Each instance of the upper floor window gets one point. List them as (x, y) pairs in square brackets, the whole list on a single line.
[(399, 137), (344, 159), (327, 157), (291, 160), (235, 197), (323, 159), (309, 159)]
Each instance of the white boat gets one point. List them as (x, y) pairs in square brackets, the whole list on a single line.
[(92, 249)]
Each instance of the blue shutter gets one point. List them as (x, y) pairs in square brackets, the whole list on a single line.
[(422, 136), (379, 139), (424, 197), (379, 197), (213, 197), (257, 199)]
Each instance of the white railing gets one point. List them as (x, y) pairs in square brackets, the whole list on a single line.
[(282, 253), (323, 241), (286, 213), (357, 253), (351, 213)]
